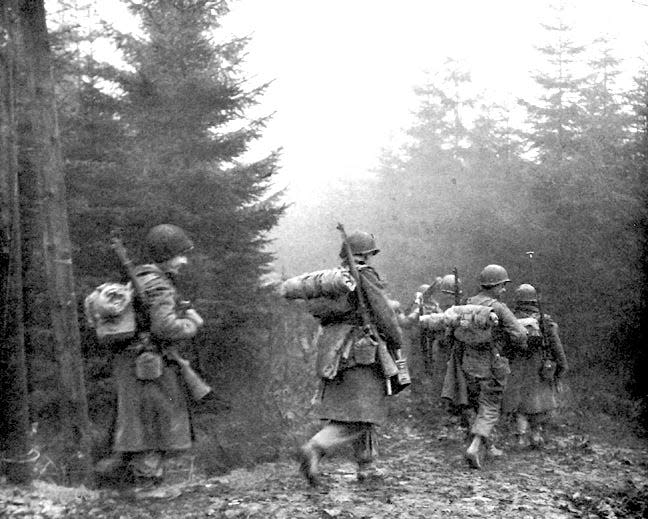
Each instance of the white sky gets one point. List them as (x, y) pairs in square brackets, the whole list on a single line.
[(344, 70)]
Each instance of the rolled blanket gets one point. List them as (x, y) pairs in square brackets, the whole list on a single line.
[(322, 283)]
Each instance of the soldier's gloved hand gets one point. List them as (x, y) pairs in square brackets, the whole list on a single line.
[(418, 298), (192, 315)]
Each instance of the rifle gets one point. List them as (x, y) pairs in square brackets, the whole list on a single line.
[(424, 339), (541, 323), (196, 385), (457, 291), (537, 288), (457, 346), (390, 367)]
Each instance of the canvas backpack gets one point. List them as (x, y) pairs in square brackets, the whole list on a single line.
[(471, 324), (532, 327), (110, 312)]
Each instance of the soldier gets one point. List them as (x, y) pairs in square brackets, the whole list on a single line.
[(447, 288), (152, 415), (424, 303), (442, 352), (418, 343), (353, 396), (484, 366), (441, 345), (535, 373)]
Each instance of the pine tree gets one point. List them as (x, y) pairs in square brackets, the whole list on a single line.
[(554, 121), (581, 197), (14, 412), (183, 110), (445, 199)]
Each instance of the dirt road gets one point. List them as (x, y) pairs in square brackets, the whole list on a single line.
[(425, 477)]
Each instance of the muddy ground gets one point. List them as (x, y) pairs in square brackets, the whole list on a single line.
[(602, 474)]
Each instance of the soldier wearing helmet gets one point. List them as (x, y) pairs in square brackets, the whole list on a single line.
[(423, 303), (531, 394), (353, 396), (449, 291), (362, 245), (449, 288), (485, 367), (152, 413)]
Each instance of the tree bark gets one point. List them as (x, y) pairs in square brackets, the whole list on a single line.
[(14, 412), (43, 155)]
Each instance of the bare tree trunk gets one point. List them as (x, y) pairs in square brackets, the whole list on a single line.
[(14, 415), (43, 155)]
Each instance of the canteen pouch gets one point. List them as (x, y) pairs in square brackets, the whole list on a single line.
[(364, 350), (148, 366), (403, 376), (547, 370)]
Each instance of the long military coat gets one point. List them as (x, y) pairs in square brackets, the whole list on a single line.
[(527, 392), (355, 392), (153, 414)]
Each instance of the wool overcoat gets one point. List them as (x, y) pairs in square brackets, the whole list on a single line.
[(527, 392), (356, 392), (153, 414)]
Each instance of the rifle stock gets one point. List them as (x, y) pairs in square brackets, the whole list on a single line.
[(548, 368), (457, 291)]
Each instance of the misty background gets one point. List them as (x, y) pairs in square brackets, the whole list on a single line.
[(459, 133)]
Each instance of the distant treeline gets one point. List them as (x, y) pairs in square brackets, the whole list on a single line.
[(469, 189)]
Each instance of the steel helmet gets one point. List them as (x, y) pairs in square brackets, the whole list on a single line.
[(361, 243), (526, 293), (166, 241), (493, 275), (423, 288), (448, 284)]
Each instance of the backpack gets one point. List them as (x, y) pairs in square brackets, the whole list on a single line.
[(330, 283), (471, 324), (532, 327), (110, 312)]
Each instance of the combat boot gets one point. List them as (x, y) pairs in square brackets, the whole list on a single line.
[(494, 452), (522, 428), (536, 441), (309, 457), (111, 466), (368, 472), (521, 441), (472, 454)]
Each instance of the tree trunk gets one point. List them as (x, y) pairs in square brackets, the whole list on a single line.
[(43, 155), (14, 412)]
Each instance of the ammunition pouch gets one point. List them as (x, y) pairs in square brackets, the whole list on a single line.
[(149, 365), (547, 370)]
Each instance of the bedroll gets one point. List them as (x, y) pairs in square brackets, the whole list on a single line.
[(322, 283), (109, 311)]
